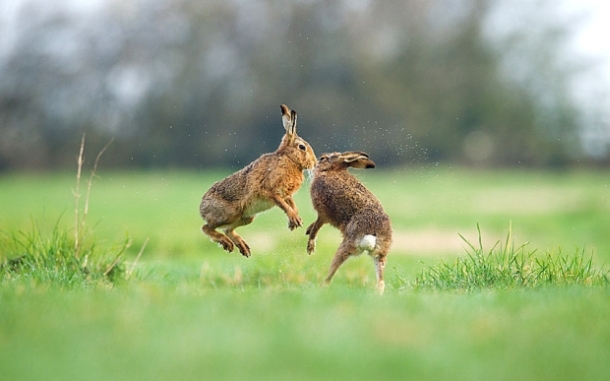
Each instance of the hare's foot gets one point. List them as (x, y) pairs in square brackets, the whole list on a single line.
[(217, 237), (312, 232), (311, 246), (243, 247), (294, 222), (226, 244)]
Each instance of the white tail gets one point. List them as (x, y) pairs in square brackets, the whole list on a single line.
[(368, 242)]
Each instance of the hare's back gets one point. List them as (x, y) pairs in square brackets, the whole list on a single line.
[(345, 186), (372, 220), (340, 198), (232, 188)]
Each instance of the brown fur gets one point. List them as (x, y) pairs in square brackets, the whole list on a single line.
[(270, 180), (342, 201)]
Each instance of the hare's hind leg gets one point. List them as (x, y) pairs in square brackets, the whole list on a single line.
[(379, 266), (344, 251), (243, 247), (217, 237)]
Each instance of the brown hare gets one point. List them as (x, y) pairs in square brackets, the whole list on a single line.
[(341, 200), (270, 180)]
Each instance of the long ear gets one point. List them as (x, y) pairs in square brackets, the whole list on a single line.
[(289, 120), (357, 159)]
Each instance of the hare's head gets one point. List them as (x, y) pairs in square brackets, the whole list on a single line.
[(342, 160), (292, 145)]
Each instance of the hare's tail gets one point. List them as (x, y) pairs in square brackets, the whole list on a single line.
[(368, 242)]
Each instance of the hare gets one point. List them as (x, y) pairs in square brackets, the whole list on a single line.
[(341, 200), (270, 180)]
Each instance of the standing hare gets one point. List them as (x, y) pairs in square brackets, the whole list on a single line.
[(270, 180), (341, 200)]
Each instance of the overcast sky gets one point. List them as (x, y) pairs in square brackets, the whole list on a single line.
[(592, 88), (593, 37), (593, 42)]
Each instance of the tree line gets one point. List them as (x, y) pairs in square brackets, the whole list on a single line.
[(178, 83)]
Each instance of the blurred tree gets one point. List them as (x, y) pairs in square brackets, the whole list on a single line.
[(183, 83)]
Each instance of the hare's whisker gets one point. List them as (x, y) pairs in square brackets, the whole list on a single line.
[(309, 175)]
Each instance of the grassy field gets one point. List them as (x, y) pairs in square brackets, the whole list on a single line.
[(193, 311)]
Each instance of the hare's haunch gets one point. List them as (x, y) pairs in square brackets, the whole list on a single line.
[(342, 201), (270, 180)]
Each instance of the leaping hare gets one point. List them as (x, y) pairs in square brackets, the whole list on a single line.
[(270, 180), (341, 200)]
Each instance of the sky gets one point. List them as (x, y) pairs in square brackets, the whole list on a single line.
[(592, 88), (593, 40), (593, 37)]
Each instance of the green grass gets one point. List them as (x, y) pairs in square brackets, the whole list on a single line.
[(192, 311), (507, 266), (152, 332), (52, 259)]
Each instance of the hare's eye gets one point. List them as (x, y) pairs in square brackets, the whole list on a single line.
[(302, 147)]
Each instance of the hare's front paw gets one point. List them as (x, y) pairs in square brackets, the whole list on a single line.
[(294, 222), (311, 246)]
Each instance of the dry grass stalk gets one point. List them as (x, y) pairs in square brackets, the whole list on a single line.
[(79, 161), (135, 262), (80, 219)]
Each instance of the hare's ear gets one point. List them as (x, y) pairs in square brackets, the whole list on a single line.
[(289, 119), (357, 159)]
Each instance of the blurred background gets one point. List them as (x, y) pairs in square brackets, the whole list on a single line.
[(194, 84)]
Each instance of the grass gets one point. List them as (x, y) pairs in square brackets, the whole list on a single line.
[(150, 332), (57, 259), (51, 259), (192, 311), (509, 267)]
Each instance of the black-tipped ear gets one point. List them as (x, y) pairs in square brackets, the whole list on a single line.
[(293, 115), (357, 159), (363, 163), (288, 119)]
